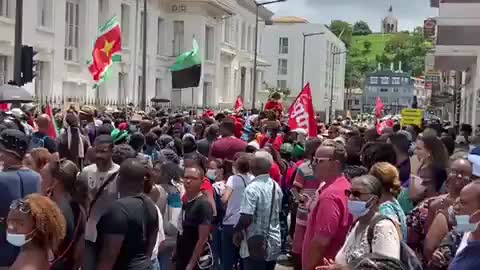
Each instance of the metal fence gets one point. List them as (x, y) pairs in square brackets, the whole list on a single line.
[(63, 101)]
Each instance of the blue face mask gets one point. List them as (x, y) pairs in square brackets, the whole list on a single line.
[(464, 225), (358, 208)]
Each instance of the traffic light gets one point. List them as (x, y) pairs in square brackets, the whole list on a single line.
[(28, 64)]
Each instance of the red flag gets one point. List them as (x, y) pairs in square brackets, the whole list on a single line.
[(301, 114), (384, 124), (52, 131), (379, 107), (238, 104), (4, 107)]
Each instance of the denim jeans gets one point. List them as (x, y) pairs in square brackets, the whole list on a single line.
[(230, 252), (217, 247), (251, 264)]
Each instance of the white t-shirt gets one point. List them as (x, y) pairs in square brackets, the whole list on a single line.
[(160, 235), (235, 182)]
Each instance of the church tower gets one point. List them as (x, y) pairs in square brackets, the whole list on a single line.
[(390, 23)]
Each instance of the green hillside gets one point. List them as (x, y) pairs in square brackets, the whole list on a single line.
[(378, 44)]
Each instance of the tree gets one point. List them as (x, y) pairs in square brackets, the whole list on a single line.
[(342, 30), (361, 28), (284, 92), (367, 44)]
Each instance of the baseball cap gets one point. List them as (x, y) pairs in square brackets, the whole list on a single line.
[(286, 148), (14, 141)]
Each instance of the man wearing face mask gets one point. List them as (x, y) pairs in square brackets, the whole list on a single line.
[(468, 218), (272, 135)]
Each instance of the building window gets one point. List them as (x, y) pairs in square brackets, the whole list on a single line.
[(406, 80), (45, 13), (209, 43), (3, 69), (249, 39), (282, 67), (125, 24), (160, 35), (282, 84), (385, 80), (227, 29), (357, 102), (178, 37), (396, 80), (373, 80), (102, 12), (158, 87), (283, 46), (72, 18), (395, 90), (5, 8), (244, 37), (383, 90), (122, 84)]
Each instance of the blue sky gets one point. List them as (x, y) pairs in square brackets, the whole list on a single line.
[(410, 13)]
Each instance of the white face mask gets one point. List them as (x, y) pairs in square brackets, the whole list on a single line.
[(18, 240), (211, 174), (464, 225)]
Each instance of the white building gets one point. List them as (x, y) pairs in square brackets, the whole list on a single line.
[(63, 32), (283, 49), (458, 49)]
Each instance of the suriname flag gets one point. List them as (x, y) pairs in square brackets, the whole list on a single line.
[(106, 51)]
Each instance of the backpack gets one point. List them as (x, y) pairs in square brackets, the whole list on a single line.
[(407, 256), (219, 206), (38, 142)]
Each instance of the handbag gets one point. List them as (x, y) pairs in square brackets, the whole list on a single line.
[(258, 244)]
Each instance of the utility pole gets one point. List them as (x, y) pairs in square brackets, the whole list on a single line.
[(17, 75), (254, 94), (303, 58), (143, 103)]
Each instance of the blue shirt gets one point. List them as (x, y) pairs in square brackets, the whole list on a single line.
[(13, 185), (468, 258), (257, 202)]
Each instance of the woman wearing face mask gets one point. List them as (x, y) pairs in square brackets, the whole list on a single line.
[(364, 199), (59, 182), (36, 226)]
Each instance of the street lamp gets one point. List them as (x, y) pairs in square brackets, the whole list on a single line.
[(258, 5), (303, 59), (330, 111)]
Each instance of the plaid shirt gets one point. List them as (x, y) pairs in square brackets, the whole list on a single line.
[(257, 202)]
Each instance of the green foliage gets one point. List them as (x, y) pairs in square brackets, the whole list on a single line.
[(343, 30), (361, 28), (275, 91), (367, 44)]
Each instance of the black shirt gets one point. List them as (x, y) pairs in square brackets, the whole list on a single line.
[(48, 143), (194, 213), (72, 213), (133, 217)]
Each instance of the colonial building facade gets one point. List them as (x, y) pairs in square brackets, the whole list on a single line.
[(63, 32)]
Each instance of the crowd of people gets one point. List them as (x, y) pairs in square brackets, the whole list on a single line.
[(223, 191)]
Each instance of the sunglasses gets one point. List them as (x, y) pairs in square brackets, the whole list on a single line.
[(21, 206), (459, 175), (354, 193), (317, 160)]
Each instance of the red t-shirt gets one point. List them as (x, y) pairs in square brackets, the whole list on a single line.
[(226, 148), (329, 217), (275, 173), (275, 142)]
